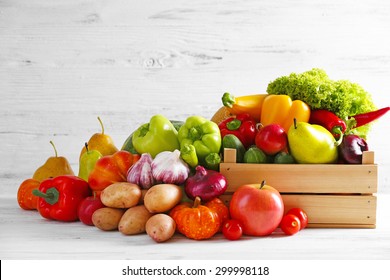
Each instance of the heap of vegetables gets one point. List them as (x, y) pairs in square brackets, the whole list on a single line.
[(166, 177)]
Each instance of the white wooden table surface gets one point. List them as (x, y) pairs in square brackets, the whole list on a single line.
[(63, 63)]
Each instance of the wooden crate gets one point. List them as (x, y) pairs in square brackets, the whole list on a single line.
[(333, 195)]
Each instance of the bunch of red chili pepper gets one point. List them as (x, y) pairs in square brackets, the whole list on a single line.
[(337, 126)]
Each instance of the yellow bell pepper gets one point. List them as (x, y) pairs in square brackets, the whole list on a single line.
[(280, 109), (250, 104)]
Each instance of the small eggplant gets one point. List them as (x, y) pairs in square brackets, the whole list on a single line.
[(205, 183), (351, 149)]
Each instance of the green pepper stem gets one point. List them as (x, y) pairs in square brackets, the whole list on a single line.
[(194, 134), (144, 129), (338, 130), (51, 196), (228, 100), (233, 124)]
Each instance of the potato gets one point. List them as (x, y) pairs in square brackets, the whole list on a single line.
[(121, 195), (160, 227), (107, 218), (134, 220), (163, 197)]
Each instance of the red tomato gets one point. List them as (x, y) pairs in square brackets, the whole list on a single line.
[(301, 215), (232, 230), (290, 224), (271, 139)]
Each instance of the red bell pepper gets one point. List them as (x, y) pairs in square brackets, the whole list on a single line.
[(243, 126), (60, 197), (330, 121)]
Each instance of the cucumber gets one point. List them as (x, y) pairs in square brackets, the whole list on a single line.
[(255, 155), (231, 141)]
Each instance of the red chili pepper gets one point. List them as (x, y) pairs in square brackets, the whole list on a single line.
[(60, 197), (243, 126), (329, 120), (365, 118)]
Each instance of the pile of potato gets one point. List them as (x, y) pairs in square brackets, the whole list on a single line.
[(132, 210)]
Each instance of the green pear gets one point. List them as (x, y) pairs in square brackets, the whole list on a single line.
[(88, 161), (53, 167), (311, 143)]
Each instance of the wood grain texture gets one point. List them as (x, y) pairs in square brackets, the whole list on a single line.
[(63, 63)]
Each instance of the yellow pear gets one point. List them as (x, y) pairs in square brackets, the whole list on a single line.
[(53, 167), (101, 142)]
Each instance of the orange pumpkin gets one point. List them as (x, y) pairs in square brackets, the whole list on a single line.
[(196, 221), (26, 199), (222, 210)]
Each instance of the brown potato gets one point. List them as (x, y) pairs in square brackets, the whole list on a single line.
[(163, 197), (160, 227), (134, 220), (107, 218), (121, 195)]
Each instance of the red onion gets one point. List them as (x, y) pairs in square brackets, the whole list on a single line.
[(207, 184)]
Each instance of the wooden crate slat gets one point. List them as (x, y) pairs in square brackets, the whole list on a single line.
[(304, 178), (348, 211)]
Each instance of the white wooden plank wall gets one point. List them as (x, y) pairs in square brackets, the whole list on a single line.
[(63, 63)]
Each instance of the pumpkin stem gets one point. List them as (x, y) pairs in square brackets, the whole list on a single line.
[(196, 202)]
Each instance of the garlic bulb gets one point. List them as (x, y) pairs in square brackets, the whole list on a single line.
[(140, 173), (169, 168)]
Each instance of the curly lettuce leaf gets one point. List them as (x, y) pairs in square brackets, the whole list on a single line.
[(314, 87)]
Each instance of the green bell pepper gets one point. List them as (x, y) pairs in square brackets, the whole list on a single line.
[(156, 136), (203, 134)]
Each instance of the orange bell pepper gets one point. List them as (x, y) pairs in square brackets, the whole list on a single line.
[(280, 109), (111, 169)]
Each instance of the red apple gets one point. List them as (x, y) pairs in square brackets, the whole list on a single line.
[(258, 207), (271, 139), (86, 208)]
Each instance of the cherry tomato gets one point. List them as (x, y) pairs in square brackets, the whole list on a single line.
[(290, 224), (232, 230), (301, 215)]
